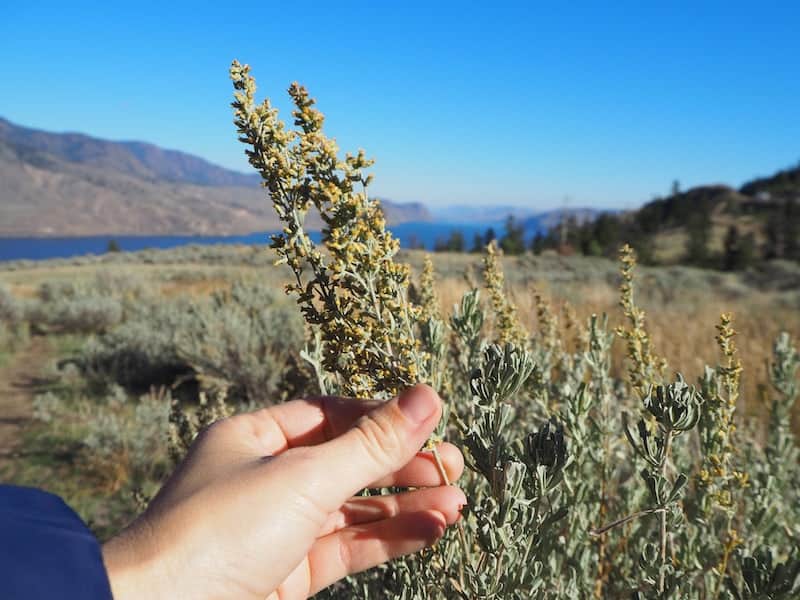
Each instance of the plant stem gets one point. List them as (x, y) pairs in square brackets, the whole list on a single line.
[(662, 574), (623, 520), (730, 544), (601, 551), (461, 536)]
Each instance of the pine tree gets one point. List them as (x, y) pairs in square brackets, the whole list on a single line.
[(739, 251), (477, 244), (699, 233), (538, 243), (489, 237), (513, 241)]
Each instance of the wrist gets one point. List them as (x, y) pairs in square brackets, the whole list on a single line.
[(132, 563)]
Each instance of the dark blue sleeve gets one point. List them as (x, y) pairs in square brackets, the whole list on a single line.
[(46, 551)]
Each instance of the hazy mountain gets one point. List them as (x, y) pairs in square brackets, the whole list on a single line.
[(553, 218), (488, 213), (71, 184)]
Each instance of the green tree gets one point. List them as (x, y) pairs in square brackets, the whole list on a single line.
[(454, 243), (489, 236), (607, 230), (739, 251), (539, 243), (783, 231), (113, 246), (477, 244), (699, 229), (791, 220), (513, 242)]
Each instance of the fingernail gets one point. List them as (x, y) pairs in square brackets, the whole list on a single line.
[(418, 404)]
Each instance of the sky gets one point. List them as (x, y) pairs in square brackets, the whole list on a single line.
[(533, 104)]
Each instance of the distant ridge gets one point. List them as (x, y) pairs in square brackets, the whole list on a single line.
[(71, 184), (137, 159)]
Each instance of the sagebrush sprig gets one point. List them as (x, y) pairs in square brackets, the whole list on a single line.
[(507, 326), (645, 368), (355, 293), (720, 480), (676, 410), (428, 300)]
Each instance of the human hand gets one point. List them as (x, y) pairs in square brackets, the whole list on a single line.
[(263, 505)]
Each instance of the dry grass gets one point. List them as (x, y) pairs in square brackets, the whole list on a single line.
[(681, 321)]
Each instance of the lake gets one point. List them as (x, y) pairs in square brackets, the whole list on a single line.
[(419, 234)]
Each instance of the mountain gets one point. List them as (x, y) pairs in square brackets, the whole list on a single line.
[(470, 217), (405, 212), (490, 213), (135, 159), (70, 184)]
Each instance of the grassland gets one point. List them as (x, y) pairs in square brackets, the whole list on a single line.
[(120, 337)]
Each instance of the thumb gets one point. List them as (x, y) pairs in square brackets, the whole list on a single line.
[(378, 444)]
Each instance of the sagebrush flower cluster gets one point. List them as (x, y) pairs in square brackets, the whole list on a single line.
[(580, 484), (355, 294)]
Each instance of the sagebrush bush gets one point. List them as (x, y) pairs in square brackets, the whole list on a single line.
[(66, 307), (13, 327), (10, 308), (580, 484), (128, 440), (140, 352), (240, 339)]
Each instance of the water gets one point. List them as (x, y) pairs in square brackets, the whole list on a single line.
[(410, 235)]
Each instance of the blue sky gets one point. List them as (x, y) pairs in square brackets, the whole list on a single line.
[(479, 103)]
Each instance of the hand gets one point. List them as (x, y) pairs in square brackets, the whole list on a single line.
[(263, 505)]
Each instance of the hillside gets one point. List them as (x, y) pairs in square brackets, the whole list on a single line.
[(70, 184), (713, 225)]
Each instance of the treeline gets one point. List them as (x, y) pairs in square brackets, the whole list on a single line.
[(511, 240), (771, 231)]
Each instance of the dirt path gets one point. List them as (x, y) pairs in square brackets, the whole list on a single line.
[(19, 380)]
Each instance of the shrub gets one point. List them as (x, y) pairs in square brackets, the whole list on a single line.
[(580, 484), (10, 308), (141, 352), (13, 328), (240, 339), (65, 307), (129, 441)]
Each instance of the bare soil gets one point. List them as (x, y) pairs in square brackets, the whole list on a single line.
[(19, 380)]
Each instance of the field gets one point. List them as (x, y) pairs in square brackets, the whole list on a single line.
[(94, 350)]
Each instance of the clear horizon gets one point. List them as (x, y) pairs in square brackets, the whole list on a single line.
[(476, 105)]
